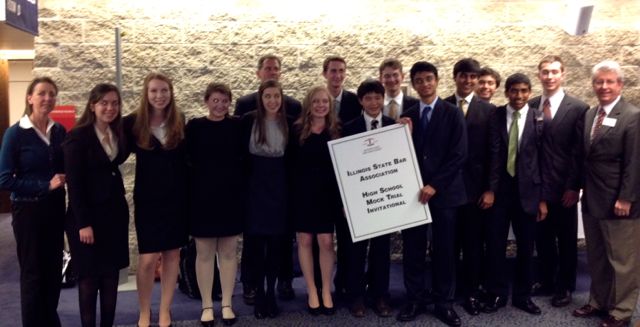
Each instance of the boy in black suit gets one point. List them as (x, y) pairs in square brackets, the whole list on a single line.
[(371, 96), (516, 179)]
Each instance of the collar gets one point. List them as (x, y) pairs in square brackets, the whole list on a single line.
[(339, 97), (368, 119), (26, 123), (467, 98), (397, 98), (102, 135), (554, 100), (432, 104), (523, 111), (610, 106)]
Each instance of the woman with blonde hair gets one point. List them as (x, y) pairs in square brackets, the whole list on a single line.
[(156, 135), (315, 199)]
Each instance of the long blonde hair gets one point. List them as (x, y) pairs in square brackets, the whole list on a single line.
[(303, 124), (174, 119)]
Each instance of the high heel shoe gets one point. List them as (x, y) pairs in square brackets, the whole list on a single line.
[(207, 323), (228, 321), (314, 311)]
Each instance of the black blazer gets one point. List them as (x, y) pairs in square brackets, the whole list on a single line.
[(528, 167), (359, 125), (350, 107), (443, 152), (408, 102), (476, 170), (93, 180), (249, 102), (562, 147)]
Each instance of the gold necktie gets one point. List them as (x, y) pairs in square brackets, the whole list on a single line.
[(463, 106), (393, 109)]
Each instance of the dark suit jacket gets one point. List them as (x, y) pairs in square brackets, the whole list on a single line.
[(359, 125), (562, 147), (408, 102), (476, 169), (92, 178), (528, 167), (350, 107), (612, 162), (443, 152), (249, 102)]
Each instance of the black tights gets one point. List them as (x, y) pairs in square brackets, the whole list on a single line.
[(267, 252), (88, 288)]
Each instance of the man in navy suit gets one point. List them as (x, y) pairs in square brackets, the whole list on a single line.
[(440, 140), (268, 69), (557, 236), (516, 179), (472, 215), (395, 101), (371, 95), (334, 70)]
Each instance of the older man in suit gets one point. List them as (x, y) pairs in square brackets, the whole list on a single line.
[(472, 215), (395, 101), (440, 140), (556, 240), (517, 180), (269, 67), (610, 209)]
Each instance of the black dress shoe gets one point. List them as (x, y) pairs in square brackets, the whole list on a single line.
[(410, 311), (248, 294), (272, 306), (561, 299), (285, 290), (493, 303), (357, 308), (527, 305), (260, 308), (382, 308), (329, 311), (472, 305), (448, 316)]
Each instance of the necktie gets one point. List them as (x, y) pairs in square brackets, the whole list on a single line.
[(336, 104), (374, 124), (463, 106), (393, 109), (546, 109), (597, 129), (513, 144), (424, 119)]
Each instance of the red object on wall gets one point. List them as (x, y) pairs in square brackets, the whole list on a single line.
[(65, 115)]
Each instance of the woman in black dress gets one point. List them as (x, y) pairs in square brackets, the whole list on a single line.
[(98, 215), (31, 168), (155, 133), (315, 198), (265, 138), (216, 157)]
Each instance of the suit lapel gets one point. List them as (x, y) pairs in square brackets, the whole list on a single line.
[(562, 111), (588, 124), (502, 122), (615, 113), (96, 144)]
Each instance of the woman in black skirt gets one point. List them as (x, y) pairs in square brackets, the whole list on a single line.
[(98, 215), (315, 198), (216, 157), (265, 137), (155, 133)]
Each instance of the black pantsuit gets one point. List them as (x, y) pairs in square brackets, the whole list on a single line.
[(39, 228)]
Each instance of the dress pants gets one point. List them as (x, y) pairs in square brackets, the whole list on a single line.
[(613, 255), (556, 244), (471, 223), (443, 259), (38, 228), (507, 209), (343, 239), (377, 261)]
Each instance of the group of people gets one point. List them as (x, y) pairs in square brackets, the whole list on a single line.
[(264, 172)]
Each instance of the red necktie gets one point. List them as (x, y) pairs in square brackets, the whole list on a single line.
[(597, 129), (546, 109)]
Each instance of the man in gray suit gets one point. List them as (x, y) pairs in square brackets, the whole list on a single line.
[(610, 208)]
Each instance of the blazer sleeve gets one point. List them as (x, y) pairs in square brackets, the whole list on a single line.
[(10, 163), (77, 171), (456, 154), (495, 165), (574, 180), (631, 161)]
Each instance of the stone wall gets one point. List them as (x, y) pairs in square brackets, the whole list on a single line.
[(196, 42)]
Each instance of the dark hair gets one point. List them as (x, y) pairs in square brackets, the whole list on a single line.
[(28, 109), (89, 116), (551, 59), (466, 65), (422, 66), (261, 113), (303, 124), (219, 88), (328, 60), (174, 118), (370, 86), (489, 71), (268, 57), (391, 63), (517, 78)]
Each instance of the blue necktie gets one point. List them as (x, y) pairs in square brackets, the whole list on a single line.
[(424, 119)]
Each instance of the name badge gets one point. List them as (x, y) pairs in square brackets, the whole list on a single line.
[(611, 122)]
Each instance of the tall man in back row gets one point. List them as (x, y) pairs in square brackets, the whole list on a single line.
[(395, 101), (610, 209), (556, 241)]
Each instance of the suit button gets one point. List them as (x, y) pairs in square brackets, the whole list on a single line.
[(113, 173)]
